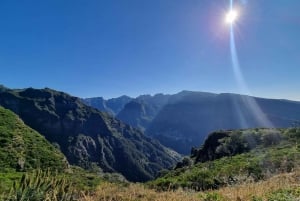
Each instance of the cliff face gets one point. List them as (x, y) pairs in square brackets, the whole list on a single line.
[(87, 136)]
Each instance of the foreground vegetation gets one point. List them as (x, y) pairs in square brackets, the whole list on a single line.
[(40, 186), (23, 149), (86, 136), (248, 165), (233, 158), (282, 187)]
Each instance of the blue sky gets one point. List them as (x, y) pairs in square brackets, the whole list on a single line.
[(114, 47)]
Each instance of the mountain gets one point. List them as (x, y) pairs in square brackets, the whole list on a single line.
[(187, 117), (117, 104), (22, 148), (229, 158), (86, 136), (98, 103), (181, 121), (112, 106), (140, 111), (137, 112)]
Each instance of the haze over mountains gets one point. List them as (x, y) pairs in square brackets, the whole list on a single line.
[(91, 138), (88, 137), (112, 106), (183, 120)]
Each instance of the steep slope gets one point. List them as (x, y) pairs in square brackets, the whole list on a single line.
[(98, 103), (186, 119), (87, 136), (112, 106), (235, 157), (22, 148), (140, 112), (117, 104)]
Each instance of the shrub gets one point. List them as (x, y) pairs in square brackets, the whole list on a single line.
[(284, 195), (40, 186), (211, 196)]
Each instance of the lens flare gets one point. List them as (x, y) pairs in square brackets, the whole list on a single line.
[(249, 101), (231, 16)]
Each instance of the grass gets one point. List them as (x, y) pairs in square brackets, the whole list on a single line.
[(8, 178), (38, 185), (264, 174), (286, 183), (260, 163), (282, 187), (41, 185), (22, 148), (137, 192), (268, 172)]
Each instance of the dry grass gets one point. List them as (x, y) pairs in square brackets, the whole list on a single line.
[(137, 192), (243, 192)]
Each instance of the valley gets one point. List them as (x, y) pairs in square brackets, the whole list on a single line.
[(50, 137), (160, 100), (181, 121)]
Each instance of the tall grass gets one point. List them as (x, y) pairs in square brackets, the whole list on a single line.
[(40, 186), (47, 186), (265, 190), (137, 192), (283, 187)]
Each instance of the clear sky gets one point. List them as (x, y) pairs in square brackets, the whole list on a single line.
[(113, 47)]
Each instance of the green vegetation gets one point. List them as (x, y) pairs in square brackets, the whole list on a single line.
[(251, 165), (86, 136), (23, 149), (39, 186), (233, 167), (284, 195), (211, 196), (241, 156)]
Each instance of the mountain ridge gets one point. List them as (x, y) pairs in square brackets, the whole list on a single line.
[(87, 136), (181, 121)]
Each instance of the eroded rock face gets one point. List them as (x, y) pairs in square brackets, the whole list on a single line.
[(87, 136)]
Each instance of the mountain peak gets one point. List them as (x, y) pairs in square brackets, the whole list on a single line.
[(87, 136)]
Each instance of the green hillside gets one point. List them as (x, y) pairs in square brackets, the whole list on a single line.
[(234, 157), (89, 138), (22, 148)]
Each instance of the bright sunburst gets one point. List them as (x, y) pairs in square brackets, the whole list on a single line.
[(231, 16)]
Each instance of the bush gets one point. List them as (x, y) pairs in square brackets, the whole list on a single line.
[(211, 196), (285, 195), (40, 186)]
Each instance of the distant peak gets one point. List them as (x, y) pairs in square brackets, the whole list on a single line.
[(3, 88)]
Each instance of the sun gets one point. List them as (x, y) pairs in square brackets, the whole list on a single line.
[(231, 17)]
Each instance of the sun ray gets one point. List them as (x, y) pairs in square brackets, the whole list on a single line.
[(260, 116)]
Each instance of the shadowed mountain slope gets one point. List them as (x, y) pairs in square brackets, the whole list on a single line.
[(112, 106), (141, 111), (87, 136), (184, 122)]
